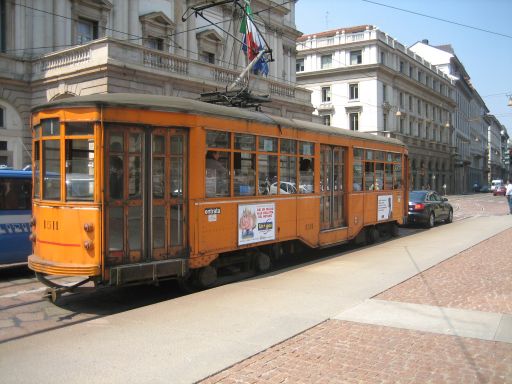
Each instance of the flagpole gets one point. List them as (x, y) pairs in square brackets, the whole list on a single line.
[(248, 68)]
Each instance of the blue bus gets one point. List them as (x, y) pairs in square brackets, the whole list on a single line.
[(15, 216)]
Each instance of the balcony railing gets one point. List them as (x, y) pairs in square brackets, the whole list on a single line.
[(109, 51)]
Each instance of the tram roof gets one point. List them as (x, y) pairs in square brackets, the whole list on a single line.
[(183, 105)]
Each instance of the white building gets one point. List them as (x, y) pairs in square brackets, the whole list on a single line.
[(476, 136), (61, 48), (362, 79)]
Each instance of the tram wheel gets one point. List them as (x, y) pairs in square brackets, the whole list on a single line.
[(206, 276), (372, 235), (393, 230), (262, 262)]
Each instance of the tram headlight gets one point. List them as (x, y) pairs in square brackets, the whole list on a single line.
[(88, 245), (88, 227), (32, 237), (33, 221)]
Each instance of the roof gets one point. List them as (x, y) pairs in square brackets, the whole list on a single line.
[(183, 105), (333, 32)]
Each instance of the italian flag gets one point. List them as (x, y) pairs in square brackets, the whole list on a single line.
[(253, 43)]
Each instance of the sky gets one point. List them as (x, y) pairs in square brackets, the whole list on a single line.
[(487, 57)]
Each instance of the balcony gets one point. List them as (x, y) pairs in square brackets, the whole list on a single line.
[(109, 52)]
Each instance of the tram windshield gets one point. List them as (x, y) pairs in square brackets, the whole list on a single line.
[(78, 143)]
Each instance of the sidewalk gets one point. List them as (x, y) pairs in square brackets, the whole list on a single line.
[(445, 319)]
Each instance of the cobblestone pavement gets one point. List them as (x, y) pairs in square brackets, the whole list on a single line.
[(347, 352), (339, 351), (480, 278)]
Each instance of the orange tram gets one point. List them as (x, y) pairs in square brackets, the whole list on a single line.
[(140, 188)]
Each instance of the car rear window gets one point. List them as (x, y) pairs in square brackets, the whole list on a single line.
[(417, 196)]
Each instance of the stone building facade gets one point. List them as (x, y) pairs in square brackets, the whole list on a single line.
[(362, 79), (62, 48)]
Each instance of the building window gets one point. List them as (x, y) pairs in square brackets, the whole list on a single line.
[(326, 61), (356, 57), (384, 121), (2, 118), (419, 107), (402, 66), (87, 30), (354, 121), (410, 104), (208, 57), (383, 58), (326, 94), (353, 91), (155, 43), (401, 126), (3, 145), (401, 100), (410, 71), (299, 65), (3, 26), (384, 92), (326, 119)]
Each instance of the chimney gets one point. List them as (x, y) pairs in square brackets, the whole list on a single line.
[(425, 41)]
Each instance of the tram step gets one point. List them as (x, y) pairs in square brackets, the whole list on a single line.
[(151, 271)]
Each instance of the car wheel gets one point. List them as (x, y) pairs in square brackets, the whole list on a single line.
[(449, 219), (431, 220)]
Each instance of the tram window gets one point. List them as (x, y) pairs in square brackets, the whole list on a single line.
[(80, 169), (215, 139), (116, 142), (217, 174), (176, 177), (267, 174), (76, 129), (306, 175), (368, 175), (357, 175), (244, 180), (379, 176), (37, 178), (379, 155), (158, 145), (134, 177), (388, 176), (158, 177), (116, 176), (289, 172), (369, 155), (115, 228), (135, 143), (176, 227), (398, 176), (267, 144), (245, 142), (306, 149), (51, 167), (135, 228), (51, 127), (288, 146), (358, 153), (177, 145), (158, 227)]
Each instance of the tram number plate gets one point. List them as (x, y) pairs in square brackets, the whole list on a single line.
[(212, 211)]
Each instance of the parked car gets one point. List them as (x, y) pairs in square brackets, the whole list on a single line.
[(485, 189), (428, 208), (499, 190), (495, 183)]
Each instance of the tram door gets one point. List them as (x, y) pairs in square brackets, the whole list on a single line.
[(332, 187), (144, 190), (167, 209)]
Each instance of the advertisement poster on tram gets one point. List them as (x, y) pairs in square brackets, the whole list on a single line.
[(384, 207), (256, 222)]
